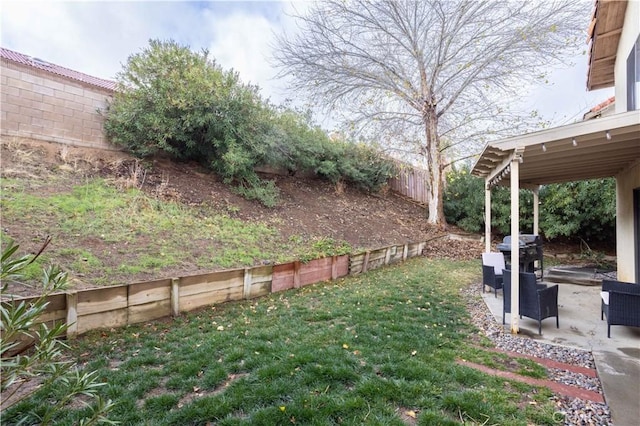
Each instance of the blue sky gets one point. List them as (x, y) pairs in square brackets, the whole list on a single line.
[(97, 37)]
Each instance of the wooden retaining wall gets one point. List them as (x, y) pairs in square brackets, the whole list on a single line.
[(121, 305)]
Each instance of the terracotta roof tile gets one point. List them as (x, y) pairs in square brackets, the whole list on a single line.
[(604, 104), (56, 69)]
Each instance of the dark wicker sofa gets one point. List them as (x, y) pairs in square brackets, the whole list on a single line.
[(537, 301), (620, 304)]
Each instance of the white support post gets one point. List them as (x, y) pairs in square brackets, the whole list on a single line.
[(536, 215), (487, 217), (536, 210), (515, 242)]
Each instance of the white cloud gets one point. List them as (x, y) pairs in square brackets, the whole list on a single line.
[(97, 37), (242, 41)]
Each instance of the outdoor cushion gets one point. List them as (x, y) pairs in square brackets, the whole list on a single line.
[(496, 260)]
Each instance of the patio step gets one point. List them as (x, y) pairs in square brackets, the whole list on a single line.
[(572, 276)]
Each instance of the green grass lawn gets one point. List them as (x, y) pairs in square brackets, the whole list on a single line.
[(376, 349)]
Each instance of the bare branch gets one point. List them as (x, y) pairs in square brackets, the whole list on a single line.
[(434, 75)]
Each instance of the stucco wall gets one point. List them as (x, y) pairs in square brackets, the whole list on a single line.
[(40, 105), (625, 232), (628, 38)]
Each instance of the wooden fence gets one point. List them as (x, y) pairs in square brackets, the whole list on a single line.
[(411, 182), (120, 305)]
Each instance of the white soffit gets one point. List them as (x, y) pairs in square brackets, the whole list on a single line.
[(550, 156)]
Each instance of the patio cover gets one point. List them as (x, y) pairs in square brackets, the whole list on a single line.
[(590, 149)]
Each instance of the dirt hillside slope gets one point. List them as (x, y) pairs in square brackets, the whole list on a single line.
[(308, 207)]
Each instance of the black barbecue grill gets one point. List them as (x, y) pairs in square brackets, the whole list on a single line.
[(530, 250)]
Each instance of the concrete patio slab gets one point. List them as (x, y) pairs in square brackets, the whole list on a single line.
[(617, 359)]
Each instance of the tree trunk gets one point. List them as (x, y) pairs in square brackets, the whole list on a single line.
[(434, 166)]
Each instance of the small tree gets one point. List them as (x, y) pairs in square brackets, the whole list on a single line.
[(43, 362)]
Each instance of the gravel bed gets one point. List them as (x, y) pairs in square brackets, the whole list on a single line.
[(579, 412), (574, 411), (575, 379)]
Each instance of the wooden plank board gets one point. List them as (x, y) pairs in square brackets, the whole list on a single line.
[(149, 311), (51, 316), (415, 249), (57, 302), (114, 318), (261, 274), (282, 277), (102, 300), (315, 271), (376, 258), (208, 289), (56, 308), (211, 283), (342, 266), (260, 289), (147, 292), (217, 295), (395, 254), (356, 263), (55, 311)]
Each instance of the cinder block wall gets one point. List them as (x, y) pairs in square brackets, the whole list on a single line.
[(40, 105)]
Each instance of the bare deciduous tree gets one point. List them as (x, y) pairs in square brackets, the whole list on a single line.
[(437, 71)]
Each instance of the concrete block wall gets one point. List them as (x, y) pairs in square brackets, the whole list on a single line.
[(40, 105)]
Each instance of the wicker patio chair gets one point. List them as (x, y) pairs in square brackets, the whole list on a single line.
[(620, 304), (489, 278), (540, 261), (537, 301), (492, 266)]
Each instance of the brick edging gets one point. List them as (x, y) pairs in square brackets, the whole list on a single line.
[(559, 388), (591, 372)]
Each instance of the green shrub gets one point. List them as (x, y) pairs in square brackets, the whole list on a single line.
[(264, 191), (583, 209), (173, 100), (299, 145), (464, 205), (182, 103), (59, 380)]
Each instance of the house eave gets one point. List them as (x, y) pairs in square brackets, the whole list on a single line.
[(550, 156), (604, 34)]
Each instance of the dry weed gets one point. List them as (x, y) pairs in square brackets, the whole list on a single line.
[(161, 189), (132, 175), (63, 154), (11, 142)]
